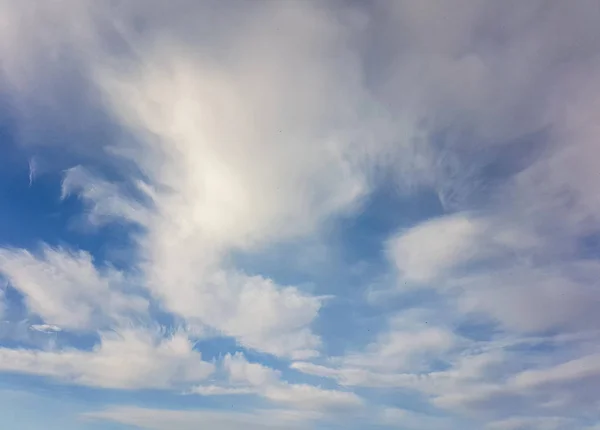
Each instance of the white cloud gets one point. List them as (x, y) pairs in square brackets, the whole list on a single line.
[(527, 299), (66, 289), (217, 390), (309, 397), (244, 377), (495, 382), (32, 171), (549, 385), (241, 371), (183, 274), (132, 359), (230, 302), (408, 346), (229, 167), (106, 200), (449, 245), (45, 328), (581, 368), (356, 376), (426, 252), (314, 369), (500, 272), (232, 186)]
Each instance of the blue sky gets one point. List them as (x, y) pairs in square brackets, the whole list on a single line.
[(306, 215)]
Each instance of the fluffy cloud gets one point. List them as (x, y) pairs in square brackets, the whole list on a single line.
[(226, 167), (66, 289), (244, 377), (230, 302), (425, 252), (486, 263), (184, 275), (131, 359), (437, 248)]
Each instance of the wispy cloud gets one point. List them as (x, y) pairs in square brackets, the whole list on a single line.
[(244, 377), (32, 170), (45, 328)]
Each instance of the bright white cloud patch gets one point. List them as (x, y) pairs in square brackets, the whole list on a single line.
[(426, 252), (210, 136), (126, 360), (66, 289), (244, 377), (181, 273), (255, 310)]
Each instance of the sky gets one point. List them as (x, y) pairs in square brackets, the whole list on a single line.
[(299, 215)]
